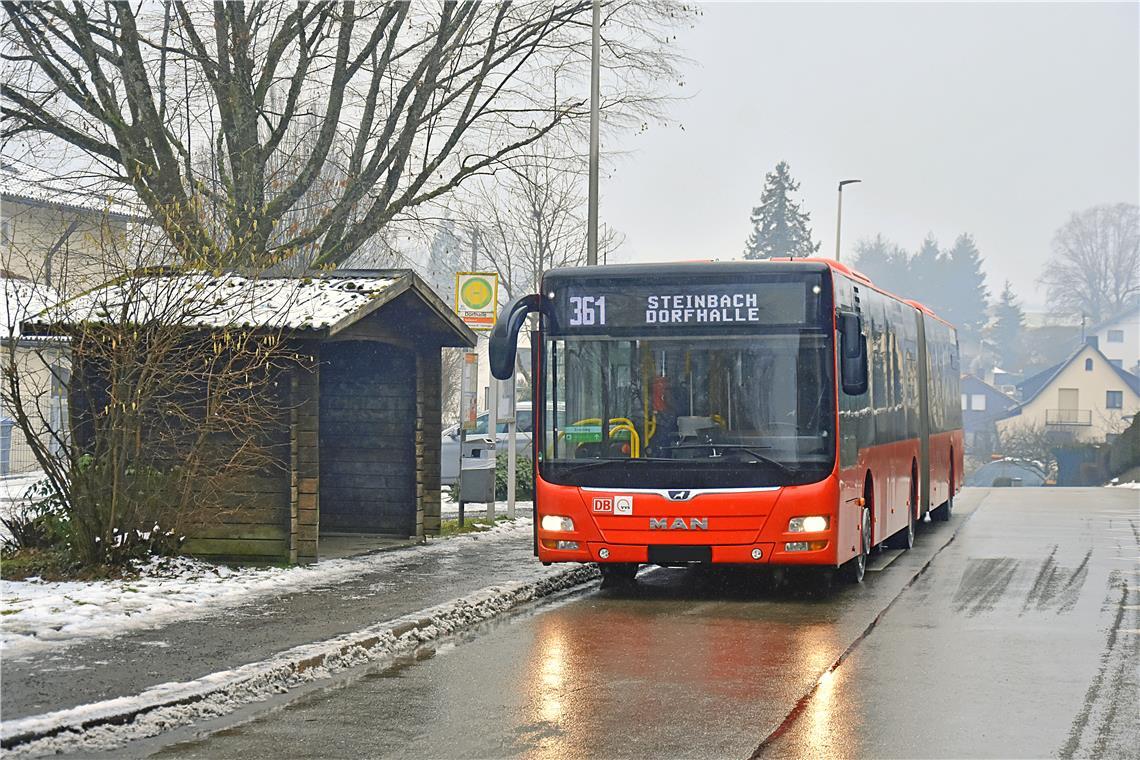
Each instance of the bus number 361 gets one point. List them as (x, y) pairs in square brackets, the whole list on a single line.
[(587, 310)]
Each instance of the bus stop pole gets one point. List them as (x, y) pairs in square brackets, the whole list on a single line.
[(512, 456), (493, 435)]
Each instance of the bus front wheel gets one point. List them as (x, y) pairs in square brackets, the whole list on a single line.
[(854, 569), (618, 574)]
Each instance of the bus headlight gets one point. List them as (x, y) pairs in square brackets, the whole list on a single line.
[(812, 524), (557, 523)]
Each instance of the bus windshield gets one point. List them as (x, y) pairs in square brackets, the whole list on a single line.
[(663, 412)]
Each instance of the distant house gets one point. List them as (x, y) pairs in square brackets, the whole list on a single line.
[(1119, 339), (1084, 399), (40, 366), (982, 406), (58, 234)]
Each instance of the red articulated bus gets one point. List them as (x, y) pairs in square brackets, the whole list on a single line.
[(785, 412)]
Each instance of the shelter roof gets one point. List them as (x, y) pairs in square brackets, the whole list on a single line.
[(320, 303)]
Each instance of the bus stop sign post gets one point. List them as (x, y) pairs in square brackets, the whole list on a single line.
[(468, 411)]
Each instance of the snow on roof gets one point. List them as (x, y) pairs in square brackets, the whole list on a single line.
[(209, 301), (20, 181), (22, 298)]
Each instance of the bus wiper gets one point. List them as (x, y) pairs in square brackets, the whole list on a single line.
[(742, 448), (590, 464)]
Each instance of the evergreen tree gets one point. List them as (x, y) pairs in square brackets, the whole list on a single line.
[(963, 294), (1009, 320), (926, 275), (444, 260), (885, 263), (779, 228)]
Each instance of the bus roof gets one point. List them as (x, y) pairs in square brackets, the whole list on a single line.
[(685, 268)]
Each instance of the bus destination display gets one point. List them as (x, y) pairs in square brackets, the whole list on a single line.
[(601, 309)]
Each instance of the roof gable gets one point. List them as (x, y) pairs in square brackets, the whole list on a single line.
[(1032, 387)]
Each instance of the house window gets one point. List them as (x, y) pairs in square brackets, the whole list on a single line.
[(1115, 336), (978, 402), (1114, 400), (1088, 365), (965, 402)]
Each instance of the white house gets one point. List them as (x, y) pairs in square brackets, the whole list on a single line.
[(1119, 339), (1085, 399)]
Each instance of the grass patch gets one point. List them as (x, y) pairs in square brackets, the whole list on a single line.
[(470, 525), (52, 565)]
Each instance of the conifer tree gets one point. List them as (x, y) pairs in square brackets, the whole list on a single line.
[(1009, 319), (779, 227), (444, 260), (926, 274), (885, 263), (963, 292)]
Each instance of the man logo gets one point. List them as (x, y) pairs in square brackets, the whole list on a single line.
[(662, 523), (679, 495)]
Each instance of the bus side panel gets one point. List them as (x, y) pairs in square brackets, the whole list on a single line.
[(890, 466)]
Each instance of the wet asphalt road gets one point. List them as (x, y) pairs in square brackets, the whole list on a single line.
[(1021, 637)]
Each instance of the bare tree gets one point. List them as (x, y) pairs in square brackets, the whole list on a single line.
[(1095, 268), (531, 218), (400, 103)]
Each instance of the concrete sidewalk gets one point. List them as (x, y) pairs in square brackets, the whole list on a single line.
[(410, 580)]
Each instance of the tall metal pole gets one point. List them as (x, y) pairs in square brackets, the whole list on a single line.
[(838, 221), (595, 106), (839, 213)]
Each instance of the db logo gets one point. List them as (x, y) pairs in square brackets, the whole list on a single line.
[(603, 504)]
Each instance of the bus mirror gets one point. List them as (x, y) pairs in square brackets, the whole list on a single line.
[(505, 336), (853, 354)]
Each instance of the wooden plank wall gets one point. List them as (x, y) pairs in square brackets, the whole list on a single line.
[(367, 437), (306, 462), (429, 428)]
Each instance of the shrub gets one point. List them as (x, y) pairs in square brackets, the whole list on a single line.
[(1125, 451), (40, 521), (524, 479)]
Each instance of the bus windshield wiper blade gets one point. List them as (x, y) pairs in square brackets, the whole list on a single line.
[(590, 464), (742, 448)]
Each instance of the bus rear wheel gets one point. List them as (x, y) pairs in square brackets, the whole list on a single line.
[(942, 513), (855, 569), (618, 574)]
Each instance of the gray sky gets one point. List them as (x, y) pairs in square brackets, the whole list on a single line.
[(997, 120)]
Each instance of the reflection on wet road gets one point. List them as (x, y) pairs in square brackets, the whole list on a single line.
[(992, 651)]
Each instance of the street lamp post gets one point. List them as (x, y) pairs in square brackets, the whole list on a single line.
[(839, 213), (595, 103)]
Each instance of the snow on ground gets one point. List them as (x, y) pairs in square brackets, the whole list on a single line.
[(1134, 485), (37, 615)]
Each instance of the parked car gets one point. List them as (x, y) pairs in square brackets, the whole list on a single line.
[(449, 443)]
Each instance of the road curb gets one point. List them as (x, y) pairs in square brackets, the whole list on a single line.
[(112, 723)]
